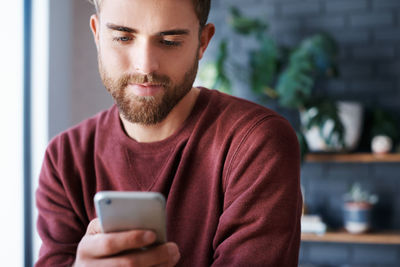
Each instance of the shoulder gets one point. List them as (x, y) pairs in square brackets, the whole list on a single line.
[(244, 118), (231, 108), (80, 137)]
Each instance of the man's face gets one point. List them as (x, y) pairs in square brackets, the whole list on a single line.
[(148, 52)]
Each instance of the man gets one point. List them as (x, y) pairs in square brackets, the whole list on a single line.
[(228, 168)]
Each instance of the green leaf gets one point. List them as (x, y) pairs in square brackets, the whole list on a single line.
[(383, 123), (213, 74), (263, 66), (244, 25), (326, 111), (315, 56)]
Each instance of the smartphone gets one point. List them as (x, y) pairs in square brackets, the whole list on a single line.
[(122, 211)]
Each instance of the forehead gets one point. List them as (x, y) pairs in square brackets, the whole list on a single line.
[(149, 15)]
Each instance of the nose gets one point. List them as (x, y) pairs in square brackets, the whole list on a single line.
[(144, 56)]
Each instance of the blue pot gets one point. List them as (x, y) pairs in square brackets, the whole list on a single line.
[(357, 217)]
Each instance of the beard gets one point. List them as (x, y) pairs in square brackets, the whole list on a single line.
[(147, 110)]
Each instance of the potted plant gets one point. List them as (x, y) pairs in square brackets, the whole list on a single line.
[(357, 209), (384, 132), (288, 76)]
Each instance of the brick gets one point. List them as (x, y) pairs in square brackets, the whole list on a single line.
[(372, 88), (387, 170), (389, 69), (302, 8), (385, 3), (326, 187), (344, 52), (325, 22), (373, 52), (345, 6), (365, 254), (312, 170), (355, 70), (262, 11), (290, 39), (329, 253), (372, 20), (335, 86), (351, 36), (390, 101), (347, 171), (385, 35), (215, 4), (228, 3), (285, 24), (334, 216)]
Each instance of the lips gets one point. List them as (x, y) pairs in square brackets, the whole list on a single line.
[(146, 89)]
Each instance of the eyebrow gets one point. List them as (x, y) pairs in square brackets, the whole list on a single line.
[(175, 32), (120, 28), (130, 30)]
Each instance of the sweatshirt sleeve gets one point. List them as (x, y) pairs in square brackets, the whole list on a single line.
[(58, 224), (260, 223)]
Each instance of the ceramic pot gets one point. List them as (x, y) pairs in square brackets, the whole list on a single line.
[(381, 144), (351, 115), (357, 217)]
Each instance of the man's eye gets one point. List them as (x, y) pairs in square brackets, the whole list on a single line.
[(122, 39), (170, 43)]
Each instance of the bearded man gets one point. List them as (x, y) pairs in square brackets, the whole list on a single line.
[(229, 168)]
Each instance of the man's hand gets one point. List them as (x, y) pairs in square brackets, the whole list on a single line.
[(123, 249)]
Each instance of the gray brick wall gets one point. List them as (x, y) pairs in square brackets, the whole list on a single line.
[(368, 32), (329, 254)]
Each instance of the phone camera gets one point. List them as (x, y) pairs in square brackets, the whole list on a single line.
[(107, 201)]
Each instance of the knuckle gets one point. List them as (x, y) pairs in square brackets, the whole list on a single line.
[(136, 239), (129, 261), (107, 245)]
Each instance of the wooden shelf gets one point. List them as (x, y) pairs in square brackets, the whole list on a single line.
[(352, 158), (386, 238)]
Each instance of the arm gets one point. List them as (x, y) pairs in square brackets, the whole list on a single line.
[(66, 241), (59, 226), (260, 223)]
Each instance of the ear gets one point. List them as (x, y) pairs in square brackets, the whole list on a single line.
[(95, 27), (206, 34)]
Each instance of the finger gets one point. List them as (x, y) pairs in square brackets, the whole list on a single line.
[(103, 245), (94, 227), (162, 255)]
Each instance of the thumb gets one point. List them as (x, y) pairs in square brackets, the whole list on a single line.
[(94, 227)]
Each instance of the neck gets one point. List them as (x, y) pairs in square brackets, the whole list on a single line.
[(160, 131)]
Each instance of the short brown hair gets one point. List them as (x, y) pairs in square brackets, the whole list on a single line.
[(201, 7)]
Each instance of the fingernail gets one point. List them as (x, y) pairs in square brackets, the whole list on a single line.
[(149, 237), (173, 250)]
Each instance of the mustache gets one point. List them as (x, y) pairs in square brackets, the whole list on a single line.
[(153, 78)]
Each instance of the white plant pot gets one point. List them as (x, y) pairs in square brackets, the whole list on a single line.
[(351, 115)]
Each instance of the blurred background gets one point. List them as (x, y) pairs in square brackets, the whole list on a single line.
[(334, 57)]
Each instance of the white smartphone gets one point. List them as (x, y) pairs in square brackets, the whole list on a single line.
[(122, 211)]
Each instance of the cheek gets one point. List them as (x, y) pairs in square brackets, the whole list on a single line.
[(182, 62), (114, 61)]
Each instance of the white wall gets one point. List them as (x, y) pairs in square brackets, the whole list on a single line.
[(11, 135), (87, 91), (75, 88)]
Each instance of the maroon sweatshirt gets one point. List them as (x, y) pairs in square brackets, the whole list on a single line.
[(230, 175)]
